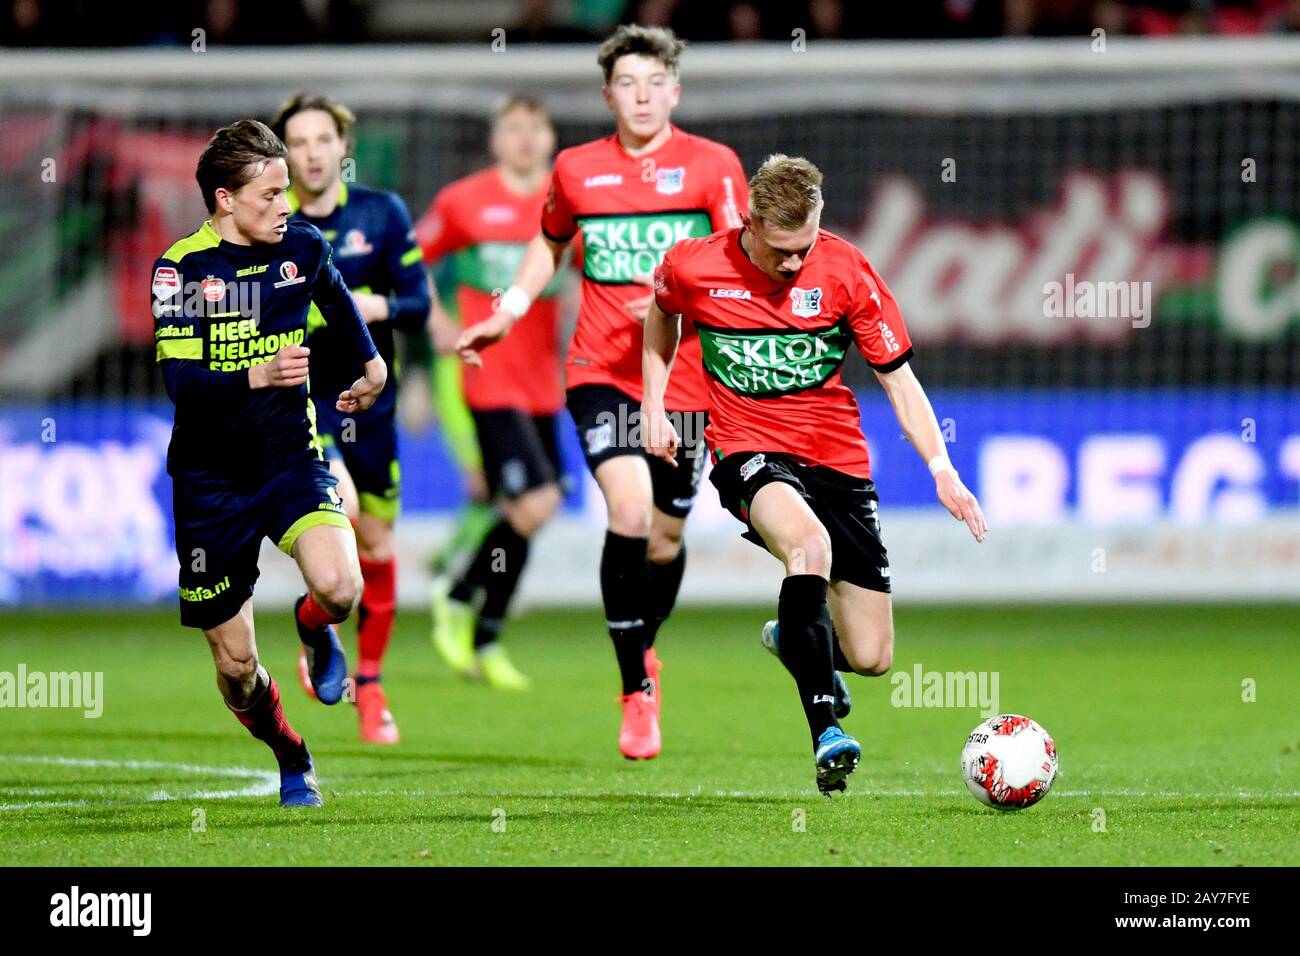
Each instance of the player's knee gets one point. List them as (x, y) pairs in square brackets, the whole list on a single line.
[(533, 509), (375, 539), (630, 518), (338, 591), (810, 553)]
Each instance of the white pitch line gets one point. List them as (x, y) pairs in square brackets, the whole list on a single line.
[(264, 782), (802, 794)]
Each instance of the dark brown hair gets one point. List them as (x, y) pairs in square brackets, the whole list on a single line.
[(344, 118), (630, 39), (235, 155)]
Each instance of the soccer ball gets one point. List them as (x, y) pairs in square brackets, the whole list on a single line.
[(1009, 762)]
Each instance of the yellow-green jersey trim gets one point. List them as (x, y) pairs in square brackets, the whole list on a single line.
[(412, 256), (179, 349), (333, 519), (205, 237)]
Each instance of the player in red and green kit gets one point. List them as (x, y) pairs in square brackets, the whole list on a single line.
[(631, 195), (486, 221), (374, 249), (777, 306)]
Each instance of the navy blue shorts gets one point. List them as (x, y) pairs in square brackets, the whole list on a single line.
[(367, 445), (220, 525)]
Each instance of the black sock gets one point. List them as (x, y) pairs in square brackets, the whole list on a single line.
[(508, 553), (841, 662), (476, 573), (486, 630), (806, 647), (623, 586), (665, 582)]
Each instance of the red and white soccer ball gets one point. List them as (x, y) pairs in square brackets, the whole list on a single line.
[(1009, 762)]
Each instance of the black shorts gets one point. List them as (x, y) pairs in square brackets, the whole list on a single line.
[(520, 451), (220, 525), (845, 505), (366, 443), (608, 422)]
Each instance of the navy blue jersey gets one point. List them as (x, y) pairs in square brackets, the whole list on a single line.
[(375, 250), (220, 308)]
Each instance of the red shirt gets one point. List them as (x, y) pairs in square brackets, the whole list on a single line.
[(773, 349), (488, 227), (630, 211)]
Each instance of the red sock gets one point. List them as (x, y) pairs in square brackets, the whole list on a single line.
[(265, 720), (313, 616), (375, 619)]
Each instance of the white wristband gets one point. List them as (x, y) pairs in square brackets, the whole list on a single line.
[(515, 301), (941, 462)]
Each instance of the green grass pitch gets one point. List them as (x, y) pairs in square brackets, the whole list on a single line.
[(1146, 705)]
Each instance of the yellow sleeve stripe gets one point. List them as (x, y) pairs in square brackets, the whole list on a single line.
[(412, 256), (179, 349)]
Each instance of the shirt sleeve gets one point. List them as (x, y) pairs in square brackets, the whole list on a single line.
[(408, 302), (558, 223), (731, 199), (876, 321), (668, 293), (331, 295), (178, 344), (438, 232)]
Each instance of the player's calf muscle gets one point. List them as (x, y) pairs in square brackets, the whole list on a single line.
[(864, 624)]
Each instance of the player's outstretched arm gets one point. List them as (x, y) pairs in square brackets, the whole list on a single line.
[(916, 416), (541, 260), (658, 348)]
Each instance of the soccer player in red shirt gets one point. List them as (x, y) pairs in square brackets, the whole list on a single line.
[(777, 305), (632, 195), (486, 221)]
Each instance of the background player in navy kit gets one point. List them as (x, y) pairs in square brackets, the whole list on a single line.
[(230, 304), (375, 251)]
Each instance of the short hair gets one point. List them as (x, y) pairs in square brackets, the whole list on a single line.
[(235, 155), (785, 191), (519, 101), (344, 118), (632, 39)]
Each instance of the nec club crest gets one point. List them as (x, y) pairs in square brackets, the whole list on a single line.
[(806, 302), (669, 181), (289, 274)]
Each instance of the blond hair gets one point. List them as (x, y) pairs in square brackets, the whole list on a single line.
[(785, 192)]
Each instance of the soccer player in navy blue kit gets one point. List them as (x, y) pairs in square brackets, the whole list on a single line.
[(376, 253), (230, 304)]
